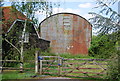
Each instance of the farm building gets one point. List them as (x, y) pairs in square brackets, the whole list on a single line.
[(67, 33), (13, 26), (9, 15)]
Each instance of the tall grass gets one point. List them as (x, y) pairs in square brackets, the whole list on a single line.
[(68, 55)]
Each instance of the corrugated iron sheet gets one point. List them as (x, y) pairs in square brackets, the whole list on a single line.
[(68, 33)]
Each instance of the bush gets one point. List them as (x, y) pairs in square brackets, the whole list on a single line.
[(113, 68), (102, 46)]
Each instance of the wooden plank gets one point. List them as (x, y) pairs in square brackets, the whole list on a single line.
[(85, 64), (81, 76), (40, 67), (11, 68), (79, 68), (16, 61), (49, 65), (89, 59), (95, 64), (59, 66), (76, 63), (49, 56), (36, 61), (83, 72), (99, 65), (49, 69), (47, 60), (9, 61)]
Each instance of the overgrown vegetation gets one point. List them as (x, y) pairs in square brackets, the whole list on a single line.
[(113, 68), (104, 47), (104, 44)]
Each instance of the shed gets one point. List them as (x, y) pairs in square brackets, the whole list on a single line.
[(13, 25), (67, 32)]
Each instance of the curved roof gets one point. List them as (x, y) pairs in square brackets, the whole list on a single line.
[(65, 13)]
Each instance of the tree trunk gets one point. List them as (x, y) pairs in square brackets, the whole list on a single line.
[(22, 45)]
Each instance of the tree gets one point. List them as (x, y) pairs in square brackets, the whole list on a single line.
[(102, 46), (107, 22), (29, 9)]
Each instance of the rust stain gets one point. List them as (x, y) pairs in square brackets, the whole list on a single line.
[(71, 34), (9, 16), (78, 48), (66, 14)]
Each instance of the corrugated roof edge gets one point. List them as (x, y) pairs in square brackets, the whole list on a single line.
[(65, 13)]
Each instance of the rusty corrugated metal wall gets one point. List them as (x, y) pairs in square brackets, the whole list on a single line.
[(67, 32)]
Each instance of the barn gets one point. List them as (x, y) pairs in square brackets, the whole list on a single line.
[(67, 33), (9, 15), (12, 29)]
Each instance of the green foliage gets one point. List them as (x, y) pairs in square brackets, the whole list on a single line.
[(30, 8), (29, 54), (106, 21), (68, 55), (113, 68), (102, 46), (105, 47), (47, 54), (16, 75), (64, 55)]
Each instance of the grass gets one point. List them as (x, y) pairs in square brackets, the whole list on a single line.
[(16, 75), (67, 55), (81, 78)]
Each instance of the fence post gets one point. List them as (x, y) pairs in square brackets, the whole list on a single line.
[(40, 67), (36, 61), (59, 66)]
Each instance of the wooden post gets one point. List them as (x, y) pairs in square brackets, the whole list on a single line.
[(36, 61), (40, 67), (59, 66)]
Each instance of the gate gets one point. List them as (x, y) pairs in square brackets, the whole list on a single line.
[(49, 65), (72, 67), (95, 68)]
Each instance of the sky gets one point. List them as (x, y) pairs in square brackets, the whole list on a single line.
[(80, 7)]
